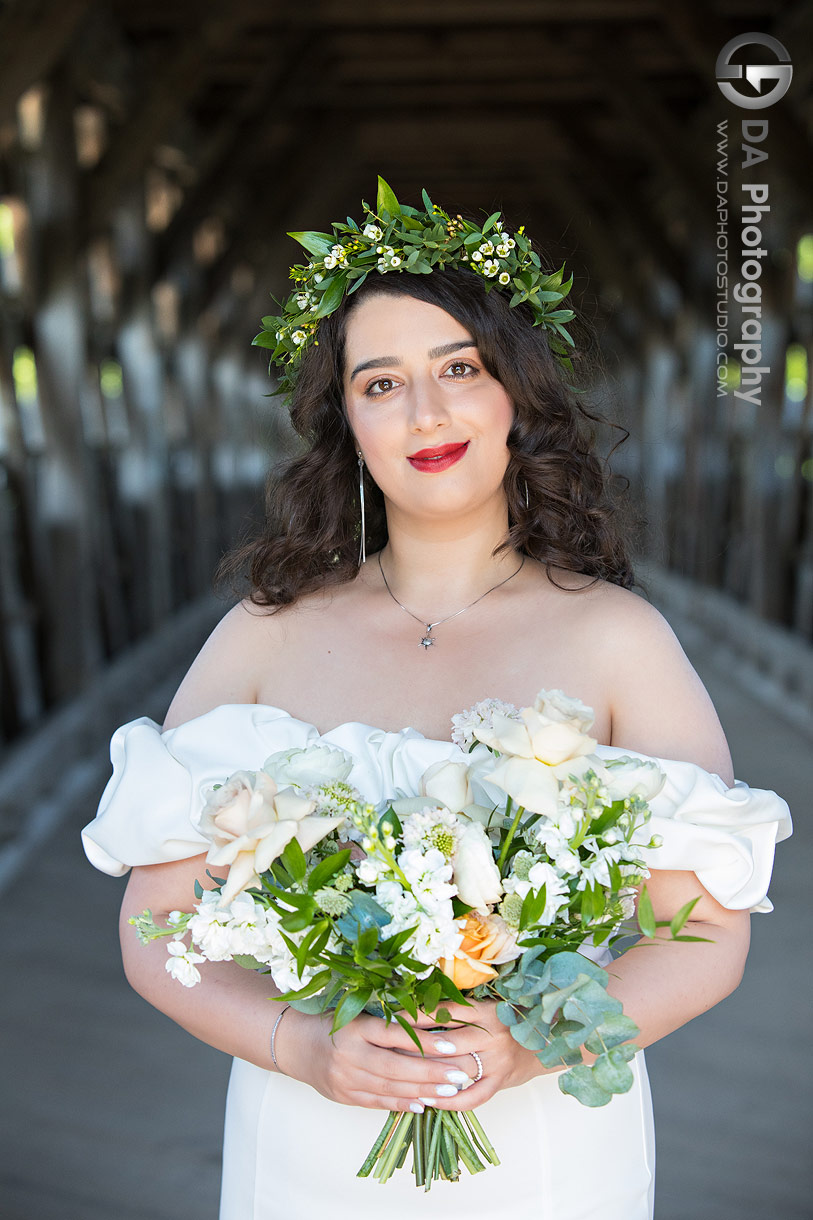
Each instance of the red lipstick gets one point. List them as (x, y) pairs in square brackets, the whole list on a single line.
[(439, 458)]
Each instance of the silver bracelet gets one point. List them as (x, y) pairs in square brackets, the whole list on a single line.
[(273, 1036)]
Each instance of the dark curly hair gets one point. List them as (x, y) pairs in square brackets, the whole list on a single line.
[(312, 531)]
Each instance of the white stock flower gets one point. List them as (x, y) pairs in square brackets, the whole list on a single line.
[(182, 963), (209, 929), (490, 267), (438, 828), (298, 337), (466, 725), (475, 873), (487, 247), (370, 870)]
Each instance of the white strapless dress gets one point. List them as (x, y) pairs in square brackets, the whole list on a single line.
[(289, 1153)]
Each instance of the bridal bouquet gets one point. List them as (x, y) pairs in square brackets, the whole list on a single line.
[(485, 884)]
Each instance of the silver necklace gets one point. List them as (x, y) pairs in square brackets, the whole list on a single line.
[(428, 639)]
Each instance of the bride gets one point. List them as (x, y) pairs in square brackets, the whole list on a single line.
[(490, 567)]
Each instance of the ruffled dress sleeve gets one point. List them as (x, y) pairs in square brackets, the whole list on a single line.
[(725, 835), (150, 808)]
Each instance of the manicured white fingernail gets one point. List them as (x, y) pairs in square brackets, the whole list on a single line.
[(457, 1077), (446, 1090), (416, 1107), (445, 1048), (428, 1101)]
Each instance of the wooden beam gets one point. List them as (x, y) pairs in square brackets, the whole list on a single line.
[(353, 14), (702, 37), (236, 146), (652, 127), (33, 36), (166, 94), (631, 217)]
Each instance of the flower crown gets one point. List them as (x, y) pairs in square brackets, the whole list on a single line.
[(397, 237)]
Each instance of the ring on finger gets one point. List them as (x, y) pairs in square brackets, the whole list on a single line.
[(479, 1063)]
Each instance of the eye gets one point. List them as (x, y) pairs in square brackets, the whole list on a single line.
[(379, 387), (461, 368)]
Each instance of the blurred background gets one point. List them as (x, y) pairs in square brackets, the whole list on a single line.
[(152, 157)]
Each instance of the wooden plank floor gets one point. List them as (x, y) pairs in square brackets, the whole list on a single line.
[(112, 1113)]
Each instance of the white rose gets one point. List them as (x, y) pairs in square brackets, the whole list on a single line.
[(556, 705), (447, 783), (555, 741), (302, 768), (530, 783), (628, 776), (475, 874)]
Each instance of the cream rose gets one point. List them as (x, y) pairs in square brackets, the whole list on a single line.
[(250, 821)]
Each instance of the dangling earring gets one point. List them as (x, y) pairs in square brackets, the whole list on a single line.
[(526, 493), (363, 547)]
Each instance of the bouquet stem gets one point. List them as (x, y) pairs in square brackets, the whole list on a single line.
[(441, 1140)]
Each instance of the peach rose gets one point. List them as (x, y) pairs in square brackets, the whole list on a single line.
[(487, 942)]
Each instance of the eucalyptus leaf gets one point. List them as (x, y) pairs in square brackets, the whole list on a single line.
[(554, 1000), (579, 1083), (365, 912), (507, 1013), (527, 1034), (611, 1071), (614, 1030)]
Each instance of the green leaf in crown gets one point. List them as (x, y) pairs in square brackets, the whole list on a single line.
[(397, 237)]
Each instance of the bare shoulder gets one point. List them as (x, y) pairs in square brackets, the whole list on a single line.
[(658, 702), (227, 667)]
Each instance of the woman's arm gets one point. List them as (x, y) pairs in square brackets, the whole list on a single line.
[(660, 706)]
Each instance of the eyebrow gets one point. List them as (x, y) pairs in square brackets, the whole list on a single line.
[(434, 353)]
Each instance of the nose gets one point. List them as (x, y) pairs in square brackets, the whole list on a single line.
[(427, 408)]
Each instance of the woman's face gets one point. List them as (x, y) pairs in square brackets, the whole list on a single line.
[(414, 382)]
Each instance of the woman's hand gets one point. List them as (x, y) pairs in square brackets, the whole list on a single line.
[(375, 1064)]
